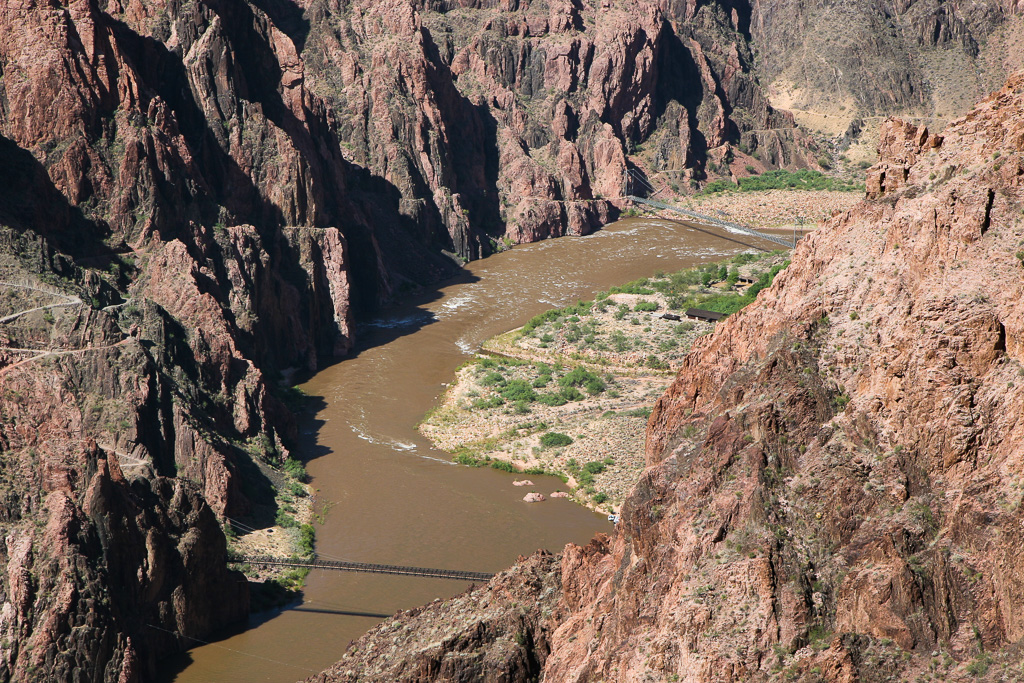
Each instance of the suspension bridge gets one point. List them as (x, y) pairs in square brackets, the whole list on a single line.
[(634, 176), (342, 565)]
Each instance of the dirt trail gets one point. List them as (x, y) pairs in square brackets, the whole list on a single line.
[(69, 352), (68, 300)]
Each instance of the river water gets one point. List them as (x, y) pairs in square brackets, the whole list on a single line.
[(396, 500)]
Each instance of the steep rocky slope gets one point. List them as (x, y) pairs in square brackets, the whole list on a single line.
[(213, 188), (520, 117), (834, 482), (834, 63)]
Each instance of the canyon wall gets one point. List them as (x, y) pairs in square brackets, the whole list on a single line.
[(221, 187), (520, 118), (834, 486), (856, 60), (163, 166)]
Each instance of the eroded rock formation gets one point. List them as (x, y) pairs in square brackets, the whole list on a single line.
[(163, 163), (923, 57), (521, 117)]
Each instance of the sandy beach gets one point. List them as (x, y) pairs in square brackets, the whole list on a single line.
[(570, 392)]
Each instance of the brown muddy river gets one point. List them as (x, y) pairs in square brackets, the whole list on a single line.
[(395, 499)]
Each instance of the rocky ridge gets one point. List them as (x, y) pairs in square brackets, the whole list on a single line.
[(833, 488), (836, 65)]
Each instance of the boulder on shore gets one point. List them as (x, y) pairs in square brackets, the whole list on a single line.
[(534, 497)]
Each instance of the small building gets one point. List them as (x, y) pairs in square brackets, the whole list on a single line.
[(745, 280), (666, 316), (701, 314)]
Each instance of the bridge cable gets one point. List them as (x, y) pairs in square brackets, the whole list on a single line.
[(638, 176)]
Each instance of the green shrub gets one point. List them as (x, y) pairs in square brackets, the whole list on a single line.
[(641, 286), (484, 404), (781, 180), (492, 378), (555, 439), (551, 316), (294, 469), (518, 390), (542, 381), (465, 458), (581, 377), (719, 186), (645, 306), (552, 399), (600, 497), (981, 665), (594, 467), (656, 363), (285, 520), (638, 412), (306, 536), (571, 394)]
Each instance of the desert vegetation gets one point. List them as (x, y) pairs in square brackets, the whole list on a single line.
[(569, 393)]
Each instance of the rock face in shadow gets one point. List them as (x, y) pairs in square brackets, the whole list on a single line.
[(163, 163), (833, 481), (497, 632), (114, 578)]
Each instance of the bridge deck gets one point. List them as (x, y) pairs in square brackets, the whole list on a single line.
[(341, 565)]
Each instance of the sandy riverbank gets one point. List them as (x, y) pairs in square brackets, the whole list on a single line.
[(290, 535), (773, 209), (570, 392)]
